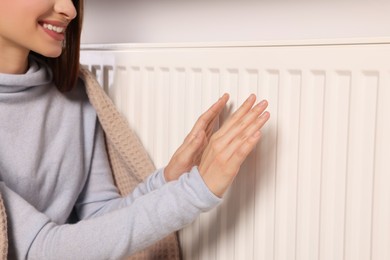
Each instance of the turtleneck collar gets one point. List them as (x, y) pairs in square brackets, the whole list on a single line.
[(38, 74)]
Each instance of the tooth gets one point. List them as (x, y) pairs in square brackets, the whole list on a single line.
[(53, 28)]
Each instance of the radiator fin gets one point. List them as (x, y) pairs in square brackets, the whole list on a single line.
[(316, 186)]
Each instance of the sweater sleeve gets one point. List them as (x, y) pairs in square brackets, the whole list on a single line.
[(100, 195), (113, 235)]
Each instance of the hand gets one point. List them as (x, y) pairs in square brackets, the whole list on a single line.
[(231, 144), (190, 152)]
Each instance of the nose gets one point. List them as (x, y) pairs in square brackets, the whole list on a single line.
[(65, 8)]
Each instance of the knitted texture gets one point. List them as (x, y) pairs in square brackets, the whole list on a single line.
[(3, 231), (130, 165), (129, 160)]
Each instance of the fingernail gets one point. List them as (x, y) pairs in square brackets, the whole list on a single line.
[(223, 96), (263, 102), (251, 97)]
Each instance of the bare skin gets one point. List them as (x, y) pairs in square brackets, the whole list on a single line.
[(219, 155), (22, 30)]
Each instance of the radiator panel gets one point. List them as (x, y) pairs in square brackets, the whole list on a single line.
[(317, 185)]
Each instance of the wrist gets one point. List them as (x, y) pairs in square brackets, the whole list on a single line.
[(167, 177)]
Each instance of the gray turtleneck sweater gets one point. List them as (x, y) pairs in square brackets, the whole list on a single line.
[(53, 160)]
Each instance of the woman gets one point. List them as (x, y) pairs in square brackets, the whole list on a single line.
[(53, 156)]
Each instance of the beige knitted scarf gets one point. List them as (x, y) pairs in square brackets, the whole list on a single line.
[(129, 161)]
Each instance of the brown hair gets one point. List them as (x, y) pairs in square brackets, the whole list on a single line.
[(66, 67)]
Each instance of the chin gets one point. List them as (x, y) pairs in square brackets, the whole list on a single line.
[(52, 52)]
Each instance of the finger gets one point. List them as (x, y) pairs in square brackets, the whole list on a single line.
[(192, 142), (237, 115), (239, 143), (210, 128), (241, 148), (221, 144), (246, 121), (242, 152), (184, 157), (232, 166), (197, 157), (212, 120), (210, 115)]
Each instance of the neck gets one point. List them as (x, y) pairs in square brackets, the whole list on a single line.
[(13, 61)]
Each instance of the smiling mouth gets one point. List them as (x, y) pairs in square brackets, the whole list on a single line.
[(53, 28)]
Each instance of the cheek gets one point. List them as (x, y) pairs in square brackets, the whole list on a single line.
[(16, 19)]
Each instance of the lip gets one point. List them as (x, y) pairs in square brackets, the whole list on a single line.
[(56, 36)]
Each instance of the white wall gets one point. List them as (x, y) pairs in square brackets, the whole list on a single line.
[(139, 21)]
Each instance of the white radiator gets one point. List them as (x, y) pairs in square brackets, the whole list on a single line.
[(318, 184)]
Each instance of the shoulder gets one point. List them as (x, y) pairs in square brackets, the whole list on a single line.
[(78, 93)]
